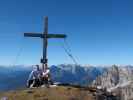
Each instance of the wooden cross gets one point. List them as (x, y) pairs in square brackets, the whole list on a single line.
[(45, 36)]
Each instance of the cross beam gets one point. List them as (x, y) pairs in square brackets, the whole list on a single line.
[(42, 36), (45, 36)]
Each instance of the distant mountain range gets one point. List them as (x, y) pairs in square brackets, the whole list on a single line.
[(116, 79), (13, 77), (16, 77), (75, 74), (105, 76)]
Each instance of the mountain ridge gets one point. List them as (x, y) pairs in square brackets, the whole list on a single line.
[(61, 73)]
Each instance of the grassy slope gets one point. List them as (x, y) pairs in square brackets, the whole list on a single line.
[(56, 93)]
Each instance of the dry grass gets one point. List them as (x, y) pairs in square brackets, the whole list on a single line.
[(56, 93)]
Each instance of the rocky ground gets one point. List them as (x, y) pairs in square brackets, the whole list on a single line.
[(54, 93)]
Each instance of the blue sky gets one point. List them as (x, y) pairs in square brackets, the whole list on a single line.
[(99, 31)]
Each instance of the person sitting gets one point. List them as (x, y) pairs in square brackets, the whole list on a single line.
[(34, 77), (45, 79)]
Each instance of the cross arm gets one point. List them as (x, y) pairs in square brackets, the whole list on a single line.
[(42, 35), (33, 35), (56, 36)]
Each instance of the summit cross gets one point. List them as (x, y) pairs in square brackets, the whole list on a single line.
[(45, 36)]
